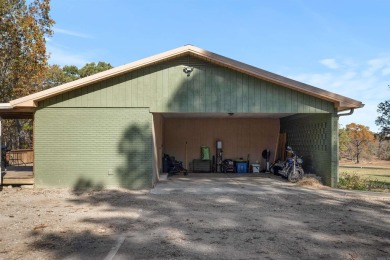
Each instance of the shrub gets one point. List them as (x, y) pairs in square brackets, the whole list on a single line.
[(356, 182), (352, 182)]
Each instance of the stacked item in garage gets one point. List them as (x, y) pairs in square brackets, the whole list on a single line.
[(203, 164), (200, 165)]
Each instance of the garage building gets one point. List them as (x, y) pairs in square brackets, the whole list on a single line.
[(111, 129)]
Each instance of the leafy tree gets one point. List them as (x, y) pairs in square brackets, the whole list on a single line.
[(23, 57), (384, 150), (91, 68), (23, 61), (383, 119), (343, 141), (71, 72), (360, 136), (56, 75)]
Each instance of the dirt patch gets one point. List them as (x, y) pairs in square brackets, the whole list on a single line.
[(275, 223)]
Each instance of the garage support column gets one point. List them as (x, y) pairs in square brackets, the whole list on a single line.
[(335, 150), (156, 173)]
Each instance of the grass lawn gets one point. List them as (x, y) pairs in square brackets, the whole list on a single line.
[(375, 176)]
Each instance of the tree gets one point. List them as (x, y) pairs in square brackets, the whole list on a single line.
[(344, 142), (23, 58), (384, 150), (56, 75), (71, 72), (383, 120), (91, 68), (359, 136)]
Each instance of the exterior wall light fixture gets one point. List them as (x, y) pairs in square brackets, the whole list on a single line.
[(188, 70)]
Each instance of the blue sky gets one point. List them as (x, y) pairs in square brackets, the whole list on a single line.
[(340, 46)]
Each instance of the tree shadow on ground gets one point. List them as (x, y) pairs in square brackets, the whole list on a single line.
[(288, 224)]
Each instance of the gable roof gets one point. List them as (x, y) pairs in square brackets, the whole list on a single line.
[(340, 102)]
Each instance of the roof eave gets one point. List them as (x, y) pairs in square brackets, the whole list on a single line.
[(5, 106), (7, 111)]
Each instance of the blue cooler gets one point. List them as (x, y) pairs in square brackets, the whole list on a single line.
[(241, 167)]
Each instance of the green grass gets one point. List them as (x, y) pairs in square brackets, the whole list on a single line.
[(364, 179)]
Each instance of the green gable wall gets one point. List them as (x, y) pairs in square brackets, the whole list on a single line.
[(210, 88), (93, 147)]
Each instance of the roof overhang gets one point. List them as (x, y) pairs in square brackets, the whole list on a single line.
[(7, 111), (340, 102)]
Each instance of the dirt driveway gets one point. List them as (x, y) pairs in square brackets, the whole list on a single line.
[(196, 218)]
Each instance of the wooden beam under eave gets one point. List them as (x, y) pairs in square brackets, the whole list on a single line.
[(28, 103), (343, 105)]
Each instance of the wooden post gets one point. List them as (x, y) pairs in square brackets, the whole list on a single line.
[(276, 147), (186, 166)]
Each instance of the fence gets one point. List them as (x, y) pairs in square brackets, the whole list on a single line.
[(20, 157)]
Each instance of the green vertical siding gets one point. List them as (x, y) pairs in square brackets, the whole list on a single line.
[(210, 88), (84, 134), (315, 138), (93, 147)]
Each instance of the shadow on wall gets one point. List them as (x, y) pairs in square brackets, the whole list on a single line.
[(214, 88), (135, 150), (208, 89)]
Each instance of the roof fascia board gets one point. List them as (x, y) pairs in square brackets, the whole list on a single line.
[(5, 106)]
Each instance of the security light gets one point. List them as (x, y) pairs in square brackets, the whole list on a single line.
[(188, 70)]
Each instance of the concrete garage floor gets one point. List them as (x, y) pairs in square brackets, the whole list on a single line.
[(219, 183), (250, 184)]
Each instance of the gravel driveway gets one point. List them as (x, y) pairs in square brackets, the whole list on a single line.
[(204, 217)]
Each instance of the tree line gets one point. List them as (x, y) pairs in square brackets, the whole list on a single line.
[(357, 142), (357, 146)]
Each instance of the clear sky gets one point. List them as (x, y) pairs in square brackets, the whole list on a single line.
[(342, 46)]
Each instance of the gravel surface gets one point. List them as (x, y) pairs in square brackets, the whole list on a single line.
[(292, 222)]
